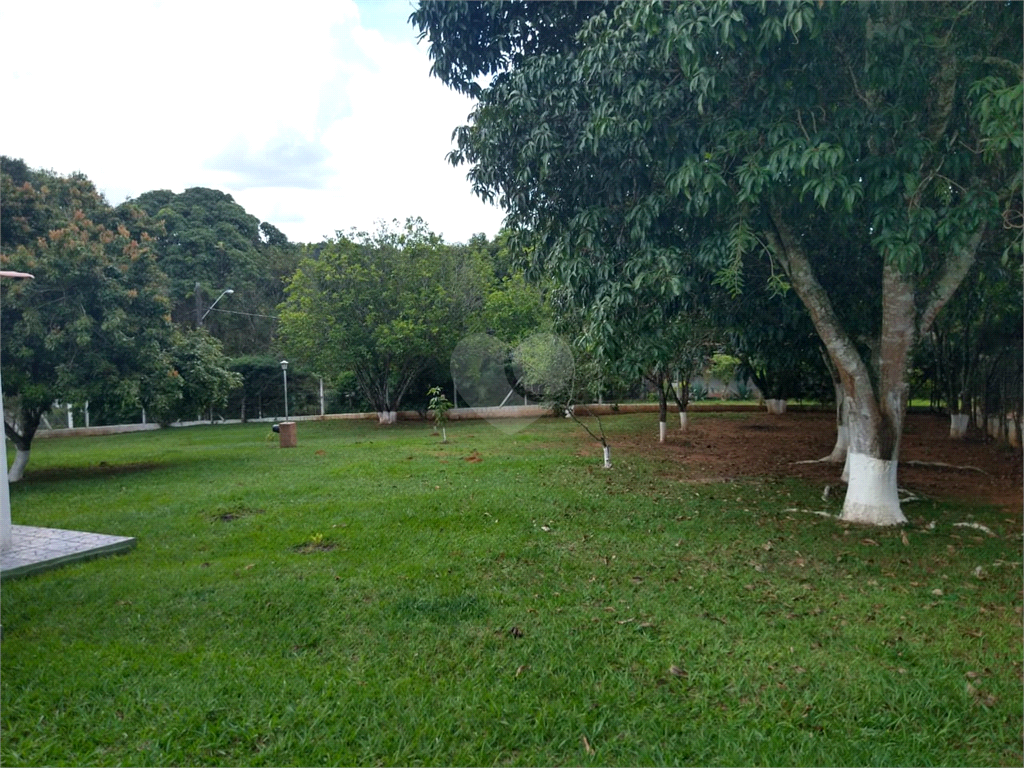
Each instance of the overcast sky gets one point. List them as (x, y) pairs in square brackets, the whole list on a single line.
[(315, 115)]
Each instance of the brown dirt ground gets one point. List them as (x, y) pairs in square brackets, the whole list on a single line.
[(721, 447)]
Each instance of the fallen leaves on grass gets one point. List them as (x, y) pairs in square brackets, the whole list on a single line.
[(586, 746), (677, 671), (985, 699)]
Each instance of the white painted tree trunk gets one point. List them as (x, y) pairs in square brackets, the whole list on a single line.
[(1013, 430), (684, 421), (662, 431), (872, 495), (846, 464), (775, 406), (994, 427), (878, 399), (958, 423), (607, 457), (387, 417), (17, 470), (842, 447)]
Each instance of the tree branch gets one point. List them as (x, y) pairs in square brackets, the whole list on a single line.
[(953, 273), (838, 344)]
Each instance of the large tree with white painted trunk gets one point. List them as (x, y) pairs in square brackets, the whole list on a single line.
[(886, 135), (94, 325)]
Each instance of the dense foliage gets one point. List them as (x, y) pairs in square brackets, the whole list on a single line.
[(94, 323), (209, 244), (384, 307), (659, 135)]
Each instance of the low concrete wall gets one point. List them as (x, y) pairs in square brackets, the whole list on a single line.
[(455, 414), (113, 429)]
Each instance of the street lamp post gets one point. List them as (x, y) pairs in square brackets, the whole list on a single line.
[(6, 533), (284, 370), (199, 304)]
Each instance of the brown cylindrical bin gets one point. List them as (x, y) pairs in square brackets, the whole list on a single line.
[(288, 435)]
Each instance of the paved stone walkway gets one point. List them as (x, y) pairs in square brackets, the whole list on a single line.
[(40, 549)]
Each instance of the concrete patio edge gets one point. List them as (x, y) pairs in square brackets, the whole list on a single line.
[(35, 550)]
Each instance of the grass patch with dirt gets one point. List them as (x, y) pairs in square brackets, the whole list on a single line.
[(377, 597)]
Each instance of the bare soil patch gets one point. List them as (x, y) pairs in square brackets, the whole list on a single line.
[(719, 448)]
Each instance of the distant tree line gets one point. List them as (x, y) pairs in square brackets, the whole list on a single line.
[(651, 223)]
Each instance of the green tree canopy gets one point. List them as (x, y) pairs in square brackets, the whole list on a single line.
[(806, 133), (383, 307), (94, 324), (201, 379), (210, 241)]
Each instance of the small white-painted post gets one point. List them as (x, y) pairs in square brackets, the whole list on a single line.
[(5, 491), (86, 409), (322, 411), (71, 417)]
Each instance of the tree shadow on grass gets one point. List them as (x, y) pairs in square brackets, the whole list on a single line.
[(101, 470)]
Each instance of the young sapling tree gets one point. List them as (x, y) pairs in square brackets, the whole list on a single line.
[(439, 405)]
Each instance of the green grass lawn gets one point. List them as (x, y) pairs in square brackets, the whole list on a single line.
[(376, 597)]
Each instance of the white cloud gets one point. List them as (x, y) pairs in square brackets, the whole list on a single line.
[(308, 118)]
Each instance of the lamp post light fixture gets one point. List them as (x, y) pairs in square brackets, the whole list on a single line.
[(284, 371), (200, 318)]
